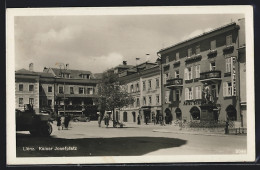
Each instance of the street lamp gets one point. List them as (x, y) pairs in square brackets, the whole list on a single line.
[(64, 68), (159, 61)]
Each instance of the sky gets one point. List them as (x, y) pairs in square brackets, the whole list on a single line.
[(97, 43)]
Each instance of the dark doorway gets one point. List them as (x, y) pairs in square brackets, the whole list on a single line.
[(147, 115), (195, 113), (117, 116), (134, 116), (125, 116), (178, 113), (231, 113)]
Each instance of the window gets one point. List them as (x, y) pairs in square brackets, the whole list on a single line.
[(49, 102), (177, 56), (150, 84), (157, 99), (137, 102), (167, 59), (212, 66), (31, 87), (177, 95), (70, 103), (89, 90), (165, 77), (198, 92), (144, 101), (20, 87), (197, 49), (227, 89), (213, 45), (177, 74), (61, 102), (137, 87), (189, 52), (167, 96), (228, 65), (71, 90), (229, 40), (81, 90), (61, 90), (144, 87), (132, 88), (20, 102), (157, 83), (197, 71), (85, 76), (49, 89), (188, 93), (31, 101), (150, 100), (188, 73), (214, 90)]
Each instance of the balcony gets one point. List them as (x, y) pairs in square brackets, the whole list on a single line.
[(210, 76), (177, 63), (193, 58), (228, 49), (175, 82), (212, 53)]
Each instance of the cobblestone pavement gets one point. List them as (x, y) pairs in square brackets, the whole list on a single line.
[(87, 139)]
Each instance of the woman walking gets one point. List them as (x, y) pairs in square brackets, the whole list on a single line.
[(58, 122)]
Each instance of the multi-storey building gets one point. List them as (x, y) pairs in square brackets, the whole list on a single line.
[(200, 70), (74, 89), (143, 83), (56, 90)]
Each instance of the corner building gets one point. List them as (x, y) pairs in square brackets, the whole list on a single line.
[(143, 83), (200, 70)]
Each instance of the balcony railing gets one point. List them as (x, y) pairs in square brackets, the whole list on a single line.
[(212, 53), (174, 82), (210, 75), (228, 49), (193, 58)]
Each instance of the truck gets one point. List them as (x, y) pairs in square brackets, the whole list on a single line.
[(38, 124)]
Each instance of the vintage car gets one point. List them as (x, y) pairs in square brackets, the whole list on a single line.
[(81, 118), (36, 123)]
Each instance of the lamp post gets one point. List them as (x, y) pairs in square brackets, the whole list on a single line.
[(64, 68), (159, 61)]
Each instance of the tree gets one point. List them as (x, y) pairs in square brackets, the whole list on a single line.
[(111, 94)]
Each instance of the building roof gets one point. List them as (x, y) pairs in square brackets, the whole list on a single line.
[(123, 66), (73, 73), (27, 72), (193, 38), (97, 75)]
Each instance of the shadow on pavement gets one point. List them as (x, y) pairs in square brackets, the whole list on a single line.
[(117, 146)]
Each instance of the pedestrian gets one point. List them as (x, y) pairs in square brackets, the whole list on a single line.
[(160, 119), (157, 118), (106, 118), (99, 120), (138, 120), (62, 122), (66, 122), (58, 122), (153, 117), (146, 119)]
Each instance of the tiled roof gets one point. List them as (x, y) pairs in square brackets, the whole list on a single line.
[(73, 73), (27, 72)]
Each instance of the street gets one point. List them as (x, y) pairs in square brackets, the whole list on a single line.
[(87, 139)]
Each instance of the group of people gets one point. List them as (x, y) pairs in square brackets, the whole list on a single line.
[(158, 119), (105, 118), (63, 121)]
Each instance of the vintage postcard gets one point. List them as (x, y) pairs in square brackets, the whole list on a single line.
[(130, 85)]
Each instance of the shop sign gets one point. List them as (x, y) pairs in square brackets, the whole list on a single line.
[(233, 76)]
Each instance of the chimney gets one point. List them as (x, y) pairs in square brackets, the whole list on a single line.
[(124, 62), (147, 57), (31, 67), (67, 66)]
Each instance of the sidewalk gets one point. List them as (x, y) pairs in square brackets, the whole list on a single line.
[(177, 130)]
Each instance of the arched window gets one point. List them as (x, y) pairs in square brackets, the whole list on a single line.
[(231, 113), (178, 113), (195, 113)]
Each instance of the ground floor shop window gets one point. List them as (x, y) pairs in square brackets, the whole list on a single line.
[(231, 113), (195, 113), (178, 113)]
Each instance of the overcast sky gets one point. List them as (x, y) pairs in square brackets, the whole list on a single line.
[(96, 43)]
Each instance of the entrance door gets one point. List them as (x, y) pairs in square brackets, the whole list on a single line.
[(134, 116), (147, 114)]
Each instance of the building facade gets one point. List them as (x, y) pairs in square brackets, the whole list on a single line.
[(203, 70), (143, 83)]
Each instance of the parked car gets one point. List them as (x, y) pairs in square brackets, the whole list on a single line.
[(35, 123), (81, 119)]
